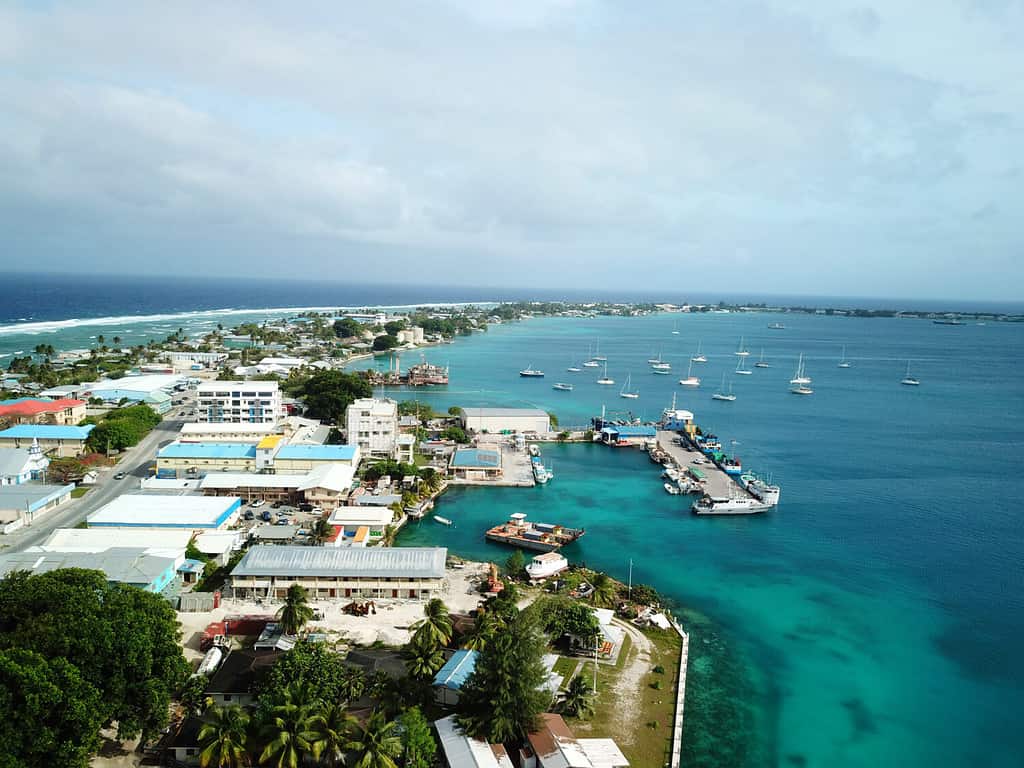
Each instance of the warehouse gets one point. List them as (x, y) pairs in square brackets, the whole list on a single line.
[(122, 565), (506, 420), (476, 464), (23, 504), (181, 512), (341, 572), (56, 441)]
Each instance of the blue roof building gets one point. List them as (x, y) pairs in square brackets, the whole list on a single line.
[(476, 463), (207, 451), (341, 453), (55, 440), (615, 434), (453, 675)]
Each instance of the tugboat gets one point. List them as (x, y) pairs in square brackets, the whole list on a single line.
[(540, 537)]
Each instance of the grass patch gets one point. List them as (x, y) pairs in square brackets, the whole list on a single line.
[(78, 493), (565, 666)]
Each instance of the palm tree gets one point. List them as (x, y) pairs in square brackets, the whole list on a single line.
[(351, 683), (377, 743), (423, 657), (377, 684), (289, 736), (331, 727), (222, 737), (579, 698), (295, 612), (484, 627), (436, 623), (604, 589), (117, 341), (321, 532)]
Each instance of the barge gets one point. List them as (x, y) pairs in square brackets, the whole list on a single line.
[(539, 537)]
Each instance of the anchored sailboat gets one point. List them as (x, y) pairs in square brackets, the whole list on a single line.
[(742, 351), (626, 392), (690, 380), (604, 380), (844, 363), (909, 380), (699, 357), (740, 369), (800, 377), (761, 363), (722, 394)]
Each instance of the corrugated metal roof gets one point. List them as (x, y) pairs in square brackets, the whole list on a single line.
[(129, 565), (477, 412), (151, 511), (476, 457), (462, 751), (456, 670), (418, 562), (48, 432), (207, 451), (31, 496), (13, 461), (318, 452)]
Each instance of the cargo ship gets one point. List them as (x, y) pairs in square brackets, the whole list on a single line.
[(540, 537)]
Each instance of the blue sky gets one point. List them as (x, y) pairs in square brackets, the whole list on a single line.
[(834, 148)]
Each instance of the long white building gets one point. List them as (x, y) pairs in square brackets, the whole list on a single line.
[(254, 402), (373, 426)]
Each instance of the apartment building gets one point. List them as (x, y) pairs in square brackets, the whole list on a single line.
[(373, 426), (253, 402)]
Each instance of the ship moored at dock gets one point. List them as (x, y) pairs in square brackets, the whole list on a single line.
[(540, 537)]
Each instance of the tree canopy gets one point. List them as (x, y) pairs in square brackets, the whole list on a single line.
[(346, 328), (387, 341), (328, 393)]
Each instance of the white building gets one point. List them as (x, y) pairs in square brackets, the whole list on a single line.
[(497, 420), (167, 512), (189, 359), (373, 426), (225, 432), (20, 465), (256, 402)]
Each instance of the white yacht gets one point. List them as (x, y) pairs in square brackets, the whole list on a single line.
[(690, 380), (800, 377), (909, 380), (765, 492), (545, 565), (699, 357), (740, 370), (626, 391), (844, 363), (761, 362), (442, 520), (573, 368), (604, 380), (742, 351), (562, 387), (801, 389), (671, 489), (530, 372), (722, 394), (741, 505), (661, 367)]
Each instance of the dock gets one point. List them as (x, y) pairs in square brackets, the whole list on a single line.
[(716, 482)]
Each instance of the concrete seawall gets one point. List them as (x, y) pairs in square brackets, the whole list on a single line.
[(677, 723)]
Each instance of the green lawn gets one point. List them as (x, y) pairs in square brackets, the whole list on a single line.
[(565, 666), (78, 493)]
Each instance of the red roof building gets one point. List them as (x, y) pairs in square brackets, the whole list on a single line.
[(28, 410)]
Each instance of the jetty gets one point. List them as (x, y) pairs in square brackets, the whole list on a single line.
[(716, 481)]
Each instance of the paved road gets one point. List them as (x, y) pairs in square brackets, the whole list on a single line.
[(135, 463)]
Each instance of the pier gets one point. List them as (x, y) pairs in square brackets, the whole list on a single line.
[(716, 482)]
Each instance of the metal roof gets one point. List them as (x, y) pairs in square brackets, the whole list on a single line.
[(207, 451), (151, 511), (383, 562), (129, 565), (477, 412), (318, 452), (13, 461), (48, 432), (476, 457), (456, 670), (462, 751), (30, 496)]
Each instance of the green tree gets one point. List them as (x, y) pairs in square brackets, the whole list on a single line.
[(385, 342), (330, 728), (605, 589), (320, 532), (312, 667), (328, 393), (455, 411), (502, 699), (579, 698), (289, 734), (394, 327), (346, 328), (352, 683), (458, 434), (423, 656), (295, 613), (376, 744), (419, 747), (515, 563), (65, 470), (436, 624), (193, 695), (554, 420), (49, 716), (223, 737), (115, 435), (484, 627)]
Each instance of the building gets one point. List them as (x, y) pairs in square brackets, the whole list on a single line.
[(176, 459), (476, 464), (181, 512), (23, 504), (225, 432), (21, 465), (450, 678), (351, 519), (55, 441), (238, 677), (256, 402), (304, 458), (149, 389), (326, 487), (122, 565), (31, 410), (272, 454), (218, 545), (505, 420), (341, 572), (553, 745), (627, 435), (462, 751), (678, 420), (194, 360), (168, 542), (373, 425)]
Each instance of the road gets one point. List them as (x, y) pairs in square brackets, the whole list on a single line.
[(135, 464)]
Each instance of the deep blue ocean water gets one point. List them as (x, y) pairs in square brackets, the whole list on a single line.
[(874, 618)]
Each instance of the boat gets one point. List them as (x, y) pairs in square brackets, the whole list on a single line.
[(909, 380), (800, 377), (844, 363), (699, 357), (690, 380), (442, 520), (740, 505), (540, 537), (947, 321), (655, 360), (573, 368), (540, 473), (722, 394), (546, 565), (675, 328), (604, 380), (765, 492), (731, 465), (661, 367), (591, 364), (597, 354), (740, 370), (776, 326), (625, 391), (562, 387), (761, 361), (671, 489), (741, 351), (529, 372), (801, 389)]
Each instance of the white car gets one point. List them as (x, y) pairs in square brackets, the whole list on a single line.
[(258, 503)]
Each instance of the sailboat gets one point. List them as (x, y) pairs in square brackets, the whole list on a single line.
[(654, 360), (690, 380), (562, 387), (604, 380), (741, 351), (800, 377), (909, 380), (597, 354), (573, 368), (591, 362), (761, 361), (722, 394), (699, 357), (844, 363), (740, 369), (675, 328), (660, 366), (626, 392)]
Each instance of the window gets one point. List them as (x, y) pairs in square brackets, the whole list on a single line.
[(227, 697)]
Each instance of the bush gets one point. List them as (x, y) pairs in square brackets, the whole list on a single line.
[(659, 670)]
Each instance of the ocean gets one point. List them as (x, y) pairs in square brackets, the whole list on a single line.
[(873, 618)]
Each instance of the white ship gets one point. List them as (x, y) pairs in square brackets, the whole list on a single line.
[(545, 565), (710, 505), (765, 492), (531, 372)]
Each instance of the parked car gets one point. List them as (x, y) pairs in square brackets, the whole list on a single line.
[(258, 503), (265, 516), (277, 504), (281, 521), (305, 507), (250, 515)]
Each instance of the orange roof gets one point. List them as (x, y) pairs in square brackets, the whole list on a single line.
[(362, 533), (32, 407)]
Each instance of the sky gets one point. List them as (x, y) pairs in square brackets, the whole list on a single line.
[(781, 146)]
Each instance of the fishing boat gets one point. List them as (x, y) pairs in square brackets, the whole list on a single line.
[(776, 326), (731, 465), (800, 377), (844, 363), (626, 392), (690, 380), (722, 394), (529, 372), (604, 380), (761, 363), (671, 489), (699, 357), (712, 505), (540, 537), (562, 387), (909, 380), (742, 351), (545, 565), (740, 370), (442, 520), (540, 473)]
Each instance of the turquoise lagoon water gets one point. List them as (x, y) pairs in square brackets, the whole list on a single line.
[(875, 617)]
